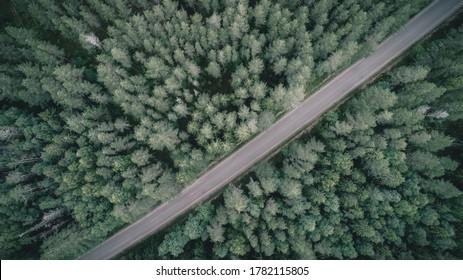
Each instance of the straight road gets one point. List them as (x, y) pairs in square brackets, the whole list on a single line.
[(285, 128)]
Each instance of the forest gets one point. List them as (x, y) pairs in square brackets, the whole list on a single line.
[(110, 107), (378, 178)]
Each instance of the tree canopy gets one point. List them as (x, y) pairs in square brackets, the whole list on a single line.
[(110, 107), (378, 178)]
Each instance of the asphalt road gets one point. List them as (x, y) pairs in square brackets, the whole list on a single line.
[(237, 163)]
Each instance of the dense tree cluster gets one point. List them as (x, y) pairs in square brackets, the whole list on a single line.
[(109, 107), (378, 178)]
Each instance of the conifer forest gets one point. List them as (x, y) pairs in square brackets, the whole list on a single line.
[(109, 108)]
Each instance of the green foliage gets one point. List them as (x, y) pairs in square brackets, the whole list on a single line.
[(109, 108), (378, 179)]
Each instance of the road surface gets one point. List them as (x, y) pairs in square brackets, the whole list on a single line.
[(241, 160)]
